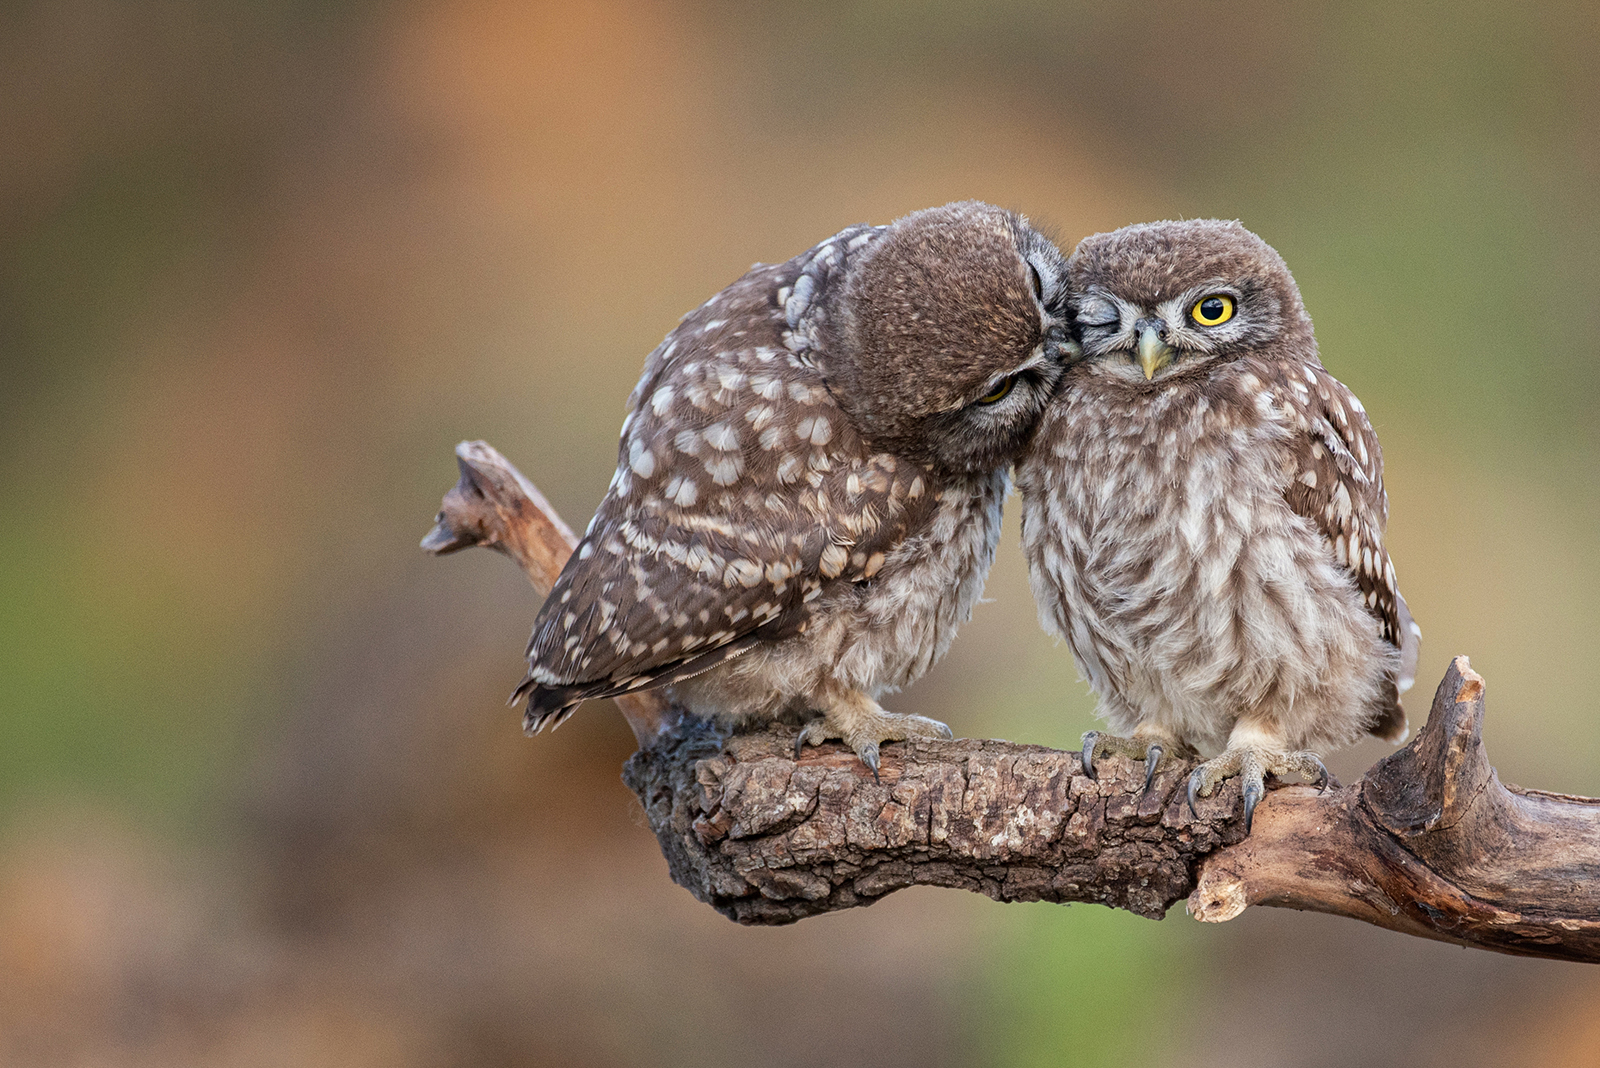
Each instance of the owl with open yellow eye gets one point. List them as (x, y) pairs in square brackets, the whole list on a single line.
[(1204, 515)]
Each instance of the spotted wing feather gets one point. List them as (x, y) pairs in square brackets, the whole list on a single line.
[(1337, 484), (741, 492)]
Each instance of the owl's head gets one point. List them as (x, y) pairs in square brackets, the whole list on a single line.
[(948, 335), (1167, 299)]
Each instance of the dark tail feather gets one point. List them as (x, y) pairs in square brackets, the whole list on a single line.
[(1391, 723), (552, 704), (546, 704), (534, 721)]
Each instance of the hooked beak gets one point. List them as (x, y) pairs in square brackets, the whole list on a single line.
[(1154, 352)]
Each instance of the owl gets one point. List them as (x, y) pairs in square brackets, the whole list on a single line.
[(808, 488), (1203, 515)]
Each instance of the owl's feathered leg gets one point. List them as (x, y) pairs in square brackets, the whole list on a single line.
[(1146, 744), (1251, 756), (864, 725)]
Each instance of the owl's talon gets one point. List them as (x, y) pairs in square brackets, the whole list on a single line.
[(865, 726), (869, 756), (1253, 764), (1254, 790), (1152, 761), (1136, 748), (813, 732)]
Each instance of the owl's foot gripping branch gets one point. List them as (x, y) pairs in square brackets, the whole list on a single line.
[(1428, 843)]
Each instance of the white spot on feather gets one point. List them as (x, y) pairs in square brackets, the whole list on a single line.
[(1341, 502), (641, 459), (682, 492), (801, 393), (725, 469), (722, 437), (744, 572), (799, 300)]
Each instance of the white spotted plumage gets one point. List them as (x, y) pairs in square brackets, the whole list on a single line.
[(1206, 530), (770, 546)]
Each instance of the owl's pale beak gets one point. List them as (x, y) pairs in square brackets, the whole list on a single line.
[(1154, 352)]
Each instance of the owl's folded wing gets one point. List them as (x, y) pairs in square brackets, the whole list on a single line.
[(658, 593), (1337, 484)]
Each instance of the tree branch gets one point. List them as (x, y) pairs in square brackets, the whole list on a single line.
[(1428, 843)]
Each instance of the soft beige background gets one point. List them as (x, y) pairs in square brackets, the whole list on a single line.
[(263, 263)]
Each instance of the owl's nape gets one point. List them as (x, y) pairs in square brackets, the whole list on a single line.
[(956, 334)]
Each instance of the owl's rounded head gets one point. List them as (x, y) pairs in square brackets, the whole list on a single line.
[(948, 335), (1164, 299)]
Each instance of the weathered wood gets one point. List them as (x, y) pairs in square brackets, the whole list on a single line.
[(1428, 843), (765, 839)]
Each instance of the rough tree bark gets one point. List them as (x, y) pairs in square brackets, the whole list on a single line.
[(1428, 843)]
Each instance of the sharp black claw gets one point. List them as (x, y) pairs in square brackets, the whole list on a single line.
[(1253, 791), (869, 757), (1152, 760), (1322, 775), (1089, 742), (800, 743), (1194, 791)]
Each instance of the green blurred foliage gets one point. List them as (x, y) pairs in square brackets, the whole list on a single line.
[(1083, 985)]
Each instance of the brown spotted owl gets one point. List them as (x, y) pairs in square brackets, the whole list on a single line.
[(1204, 512), (809, 482)]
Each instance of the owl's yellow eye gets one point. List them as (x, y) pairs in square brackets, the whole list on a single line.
[(999, 393), (1213, 310)]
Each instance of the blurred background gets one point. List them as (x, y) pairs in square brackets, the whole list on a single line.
[(264, 262)]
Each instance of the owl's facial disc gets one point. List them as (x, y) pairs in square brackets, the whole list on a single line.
[(1165, 334)]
